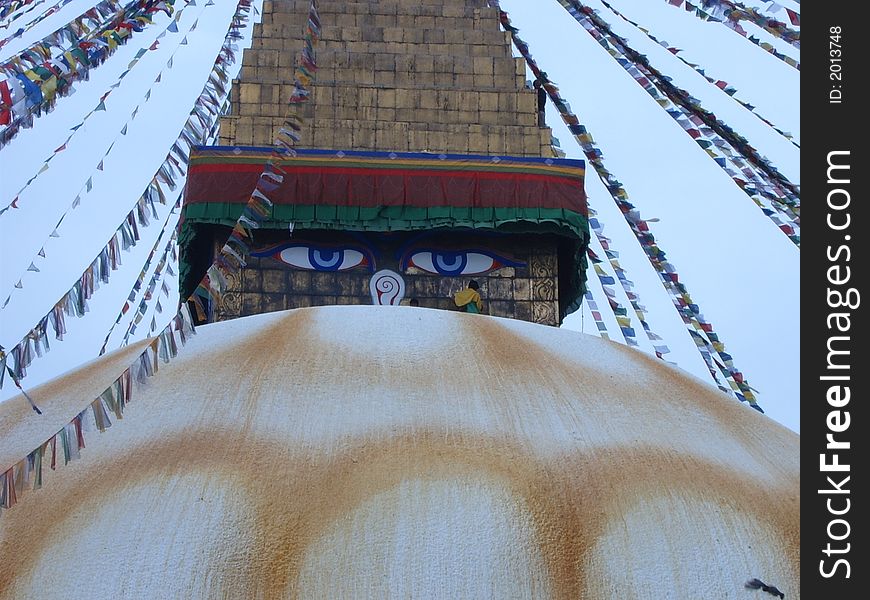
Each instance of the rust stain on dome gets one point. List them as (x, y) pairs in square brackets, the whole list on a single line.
[(314, 445)]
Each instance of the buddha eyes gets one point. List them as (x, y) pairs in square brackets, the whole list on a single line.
[(449, 263), (454, 263), (318, 258)]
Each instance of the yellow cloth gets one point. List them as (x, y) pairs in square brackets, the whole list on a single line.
[(463, 297)]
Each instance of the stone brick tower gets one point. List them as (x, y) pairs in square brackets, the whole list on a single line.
[(395, 75), (418, 94)]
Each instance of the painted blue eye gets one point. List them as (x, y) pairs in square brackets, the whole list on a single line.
[(454, 263), (317, 258), (322, 259), (449, 263), (326, 259)]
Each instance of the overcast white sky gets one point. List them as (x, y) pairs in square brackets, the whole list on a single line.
[(740, 269)]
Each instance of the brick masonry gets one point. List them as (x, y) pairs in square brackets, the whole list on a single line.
[(394, 75)]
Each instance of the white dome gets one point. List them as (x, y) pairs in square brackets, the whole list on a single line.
[(378, 452)]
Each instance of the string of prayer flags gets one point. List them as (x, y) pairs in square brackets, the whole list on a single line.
[(69, 440), (11, 9), (100, 107), (74, 302), (728, 14), (777, 197), (149, 290), (208, 294), (627, 285), (153, 191), (146, 267), (4, 368), (640, 68), (724, 86), (46, 70), (607, 282), (731, 13), (12, 6), (682, 301), (596, 315), (619, 311)]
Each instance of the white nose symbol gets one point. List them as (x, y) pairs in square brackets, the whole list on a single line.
[(387, 287)]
